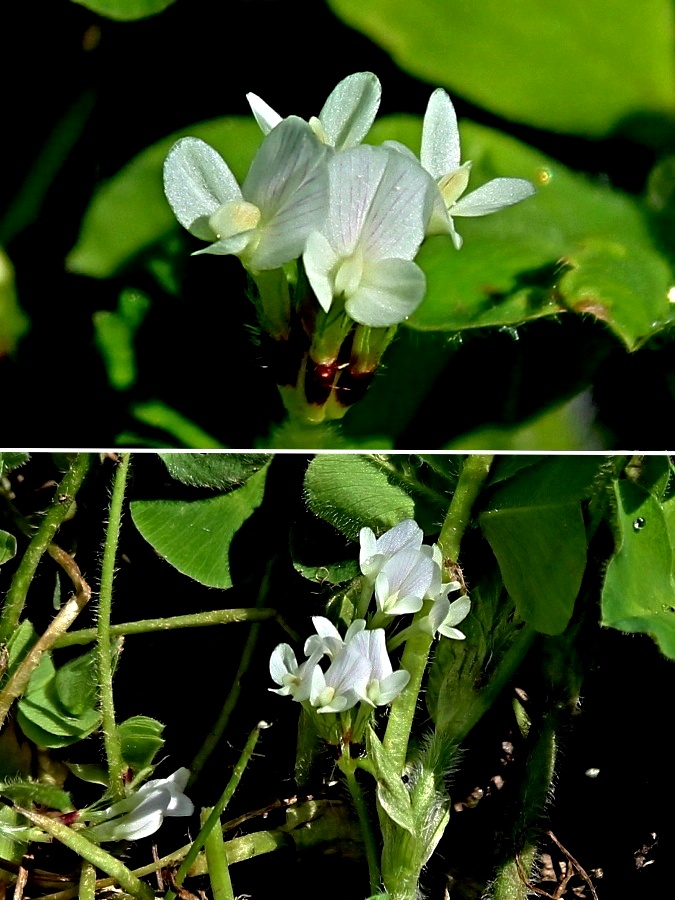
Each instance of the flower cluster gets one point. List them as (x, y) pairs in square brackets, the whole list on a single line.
[(350, 216), (142, 813), (404, 575), (359, 669)]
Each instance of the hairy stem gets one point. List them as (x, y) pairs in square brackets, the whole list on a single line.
[(61, 506), (348, 767), (416, 653), (113, 746)]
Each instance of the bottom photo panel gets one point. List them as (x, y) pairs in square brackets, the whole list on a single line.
[(336, 675)]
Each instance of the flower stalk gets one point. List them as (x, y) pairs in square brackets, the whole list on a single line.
[(112, 743)]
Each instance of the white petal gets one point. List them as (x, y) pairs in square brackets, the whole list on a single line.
[(495, 195), (453, 633), (440, 151), (282, 662), (288, 182), (231, 246), (458, 611), (389, 292), (399, 211), (400, 148), (392, 685), (197, 181), (406, 535), (377, 654), (350, 110), (320, 259), (265, 116)]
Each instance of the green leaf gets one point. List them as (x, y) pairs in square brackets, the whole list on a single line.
[(129, 213), (25, 792), (12, 460), (76, 683), (14, 323), (19, 644), (577, 246), (195, 536), (141, 740), (114, 333), (566, 426), (334, 573), (223, 471), (7, 546), (42, 716), (352, 491), (392, 794), (625, 286), (535, 526), (581, 66), (126, 10), (639, 589), (159, 415)]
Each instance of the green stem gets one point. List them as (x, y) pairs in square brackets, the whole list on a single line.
[(416, 653), (471, 479), (91, 852), (61, 506), (87, 881), (348, 767), (147, 626), (111, 739), (216, 861), (217, 811)]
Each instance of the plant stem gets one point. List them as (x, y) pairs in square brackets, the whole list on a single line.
[(61, 505), (348, 767), (113, 746), (217, 811), (91, 852), (216, 861), (416, 653), (147, 626), (87, 881), (471, 479)]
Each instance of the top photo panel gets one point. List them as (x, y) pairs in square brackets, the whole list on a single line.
[(281, 224)]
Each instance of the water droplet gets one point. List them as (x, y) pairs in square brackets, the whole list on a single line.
[(639, 524)]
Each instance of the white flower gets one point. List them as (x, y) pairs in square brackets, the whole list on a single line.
[(440, 156), (327, 639), (346, 116), (404, 581), (383, 684), (265, 222), (142, 813), (345, 681), (407, 535), (379, 206), (294, 679), (443, 616)]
